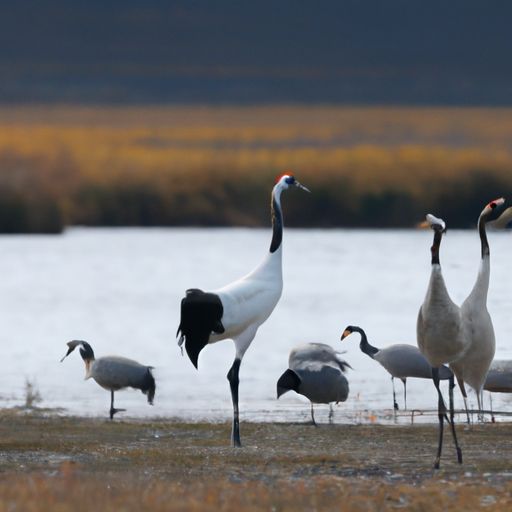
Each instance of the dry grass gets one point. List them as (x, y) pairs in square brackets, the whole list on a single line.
[(194, 162), (380, 146), (66, 491), (53, 463)]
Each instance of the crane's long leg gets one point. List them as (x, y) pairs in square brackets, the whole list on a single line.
[(313, 415), (479, 398), (405, 393), (234, 381), (331, 412), (452, 422), (462, 387), (493, 419), (441, 412), (113, 410), (395, 404)]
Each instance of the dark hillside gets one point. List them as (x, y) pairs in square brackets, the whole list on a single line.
[(226, 51)]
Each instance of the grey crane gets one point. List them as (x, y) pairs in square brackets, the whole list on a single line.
[(114, 373), (440, 333), (400, 361), (462, 337), (499, 378), (316, 372)]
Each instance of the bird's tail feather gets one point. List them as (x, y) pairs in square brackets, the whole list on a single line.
[(344, 366), (150, 386)]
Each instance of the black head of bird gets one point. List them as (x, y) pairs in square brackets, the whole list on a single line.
[(85, 350), (347, 332), (289, 381)]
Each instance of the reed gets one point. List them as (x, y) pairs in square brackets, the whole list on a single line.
[(215, 166)]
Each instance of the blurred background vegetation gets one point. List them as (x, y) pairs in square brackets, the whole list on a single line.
[(134, 146), (215, 166)]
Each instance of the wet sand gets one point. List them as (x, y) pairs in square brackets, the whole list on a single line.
[(80, 463)]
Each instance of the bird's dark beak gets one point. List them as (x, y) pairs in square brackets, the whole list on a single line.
[(67, 354), (300, 185), (70, 349), (346, 332)]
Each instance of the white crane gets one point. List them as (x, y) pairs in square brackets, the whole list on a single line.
[(237, 310), (316, 372), (473, 365), (440, 332), (114, 373), (400, 361)]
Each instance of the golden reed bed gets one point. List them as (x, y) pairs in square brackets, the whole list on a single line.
[(206, 165)]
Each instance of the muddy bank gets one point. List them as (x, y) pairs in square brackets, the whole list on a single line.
[(312, 467)]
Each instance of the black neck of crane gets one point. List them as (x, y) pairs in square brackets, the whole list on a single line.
[(438, 235), (86, 351), (483, 235), (364, 345), (277, 224)]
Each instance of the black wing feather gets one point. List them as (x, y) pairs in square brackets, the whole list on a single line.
[(201, 314)]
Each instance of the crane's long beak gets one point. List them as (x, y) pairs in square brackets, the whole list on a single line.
[(300, 185), (72, 345), (67, 353), (346, 332)]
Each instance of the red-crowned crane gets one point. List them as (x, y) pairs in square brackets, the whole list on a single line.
[(237, 310), (474, 364)]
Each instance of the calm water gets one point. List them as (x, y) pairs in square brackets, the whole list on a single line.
[(121, 289)]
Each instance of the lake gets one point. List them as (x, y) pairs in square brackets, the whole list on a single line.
[(120, 290)]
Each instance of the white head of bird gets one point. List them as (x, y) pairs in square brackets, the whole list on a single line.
[(492, 206), (436, 223), (286, 181)]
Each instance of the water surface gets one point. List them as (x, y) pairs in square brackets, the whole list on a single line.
[(120, 290)]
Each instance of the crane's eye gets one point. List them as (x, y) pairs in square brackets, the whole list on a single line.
[(492, 205), (290, 180)]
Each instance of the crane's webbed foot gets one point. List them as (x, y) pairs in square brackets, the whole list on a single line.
[(113, 411)]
